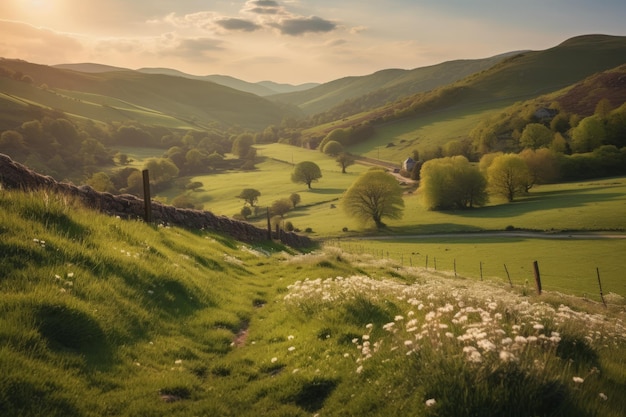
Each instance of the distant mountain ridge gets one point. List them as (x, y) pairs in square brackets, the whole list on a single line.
[(120, 95), (167, 97), (262, 88)]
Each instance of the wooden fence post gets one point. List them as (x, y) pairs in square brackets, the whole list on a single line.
[(537, 277), (269, 225), (600, 284), (508, 275), (147, 203), (481, 270)]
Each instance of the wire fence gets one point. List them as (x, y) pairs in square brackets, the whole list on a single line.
[(531, 277)]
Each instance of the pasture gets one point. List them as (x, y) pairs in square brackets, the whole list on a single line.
[(568, 265)]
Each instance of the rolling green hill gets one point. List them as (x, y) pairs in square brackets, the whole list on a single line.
[(451, 111), (194, 103), (384, 86)]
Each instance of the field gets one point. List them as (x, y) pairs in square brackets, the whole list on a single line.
[(567, 265)]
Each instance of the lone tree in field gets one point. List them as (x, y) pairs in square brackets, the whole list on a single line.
[(250, 196), (295, 199), (344, 160), (306, 172), (508, 176), (373, 196)]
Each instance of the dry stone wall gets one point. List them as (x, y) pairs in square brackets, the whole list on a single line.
[(14, 175)]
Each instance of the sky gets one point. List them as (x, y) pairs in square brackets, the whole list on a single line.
[(292, 41)]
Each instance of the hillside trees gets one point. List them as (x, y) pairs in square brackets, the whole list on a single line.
[(339, 135), (536, 135), (242, 145), (543, 165), (333, 148), (588, 135), (161, 170), (306, 172), (375, 195), (452, 183)]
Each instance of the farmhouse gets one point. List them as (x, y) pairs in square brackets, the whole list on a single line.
[(408, 164)]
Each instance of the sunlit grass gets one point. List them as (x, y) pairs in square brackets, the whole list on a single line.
[(100, 316)]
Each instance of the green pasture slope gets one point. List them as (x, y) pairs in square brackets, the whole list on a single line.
[(101, 316)]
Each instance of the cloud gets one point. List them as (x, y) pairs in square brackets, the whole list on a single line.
[(28, 42), (198, 19), (237, 24), (265, 7), (300, 25), (191, 48)]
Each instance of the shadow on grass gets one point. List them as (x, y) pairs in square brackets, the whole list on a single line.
[(326, 190), (552, 200)]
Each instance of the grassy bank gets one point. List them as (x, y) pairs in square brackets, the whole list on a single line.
[(101, 316)]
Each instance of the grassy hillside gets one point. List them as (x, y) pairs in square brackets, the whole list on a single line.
[(384, 86), (453, 110), (101, 316), (194, 103)]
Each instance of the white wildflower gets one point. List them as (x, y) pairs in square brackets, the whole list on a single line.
[(578, 380), (430, 402)]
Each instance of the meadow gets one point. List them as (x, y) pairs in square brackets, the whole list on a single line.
[(578, 206), (101, 316), (451, 239)]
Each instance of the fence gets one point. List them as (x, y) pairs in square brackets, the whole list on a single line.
[(529, 276)]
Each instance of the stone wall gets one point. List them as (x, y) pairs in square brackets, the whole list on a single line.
[(14, 175)]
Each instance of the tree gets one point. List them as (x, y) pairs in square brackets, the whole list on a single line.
[(245, 212), (306, 172), (452, 183), (161, 170), (333, 148), (242, 145), (100, 181), (508, 176), (12, 141), (280, 207), (543, 165), (535, 136), (295, 199), (588, 135), (373, 196), (344, 160), (338, 135), (250, 196)]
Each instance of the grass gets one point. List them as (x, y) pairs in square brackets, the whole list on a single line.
[(100, 316)]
